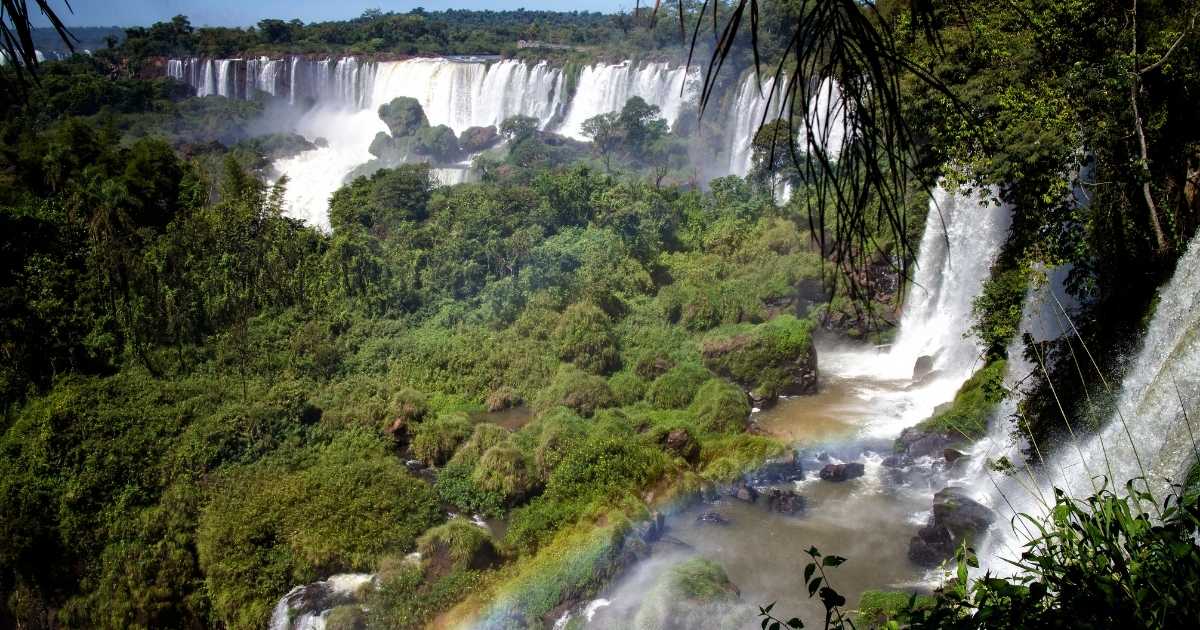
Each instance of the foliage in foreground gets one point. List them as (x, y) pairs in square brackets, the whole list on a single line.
[(1107, 561)]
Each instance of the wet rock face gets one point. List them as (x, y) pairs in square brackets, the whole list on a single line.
[(923, 367), (745, 492), (842, 472), (956, 519), (914, 442)]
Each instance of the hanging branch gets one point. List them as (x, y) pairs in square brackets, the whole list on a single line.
[(842, 67), (16, 35)]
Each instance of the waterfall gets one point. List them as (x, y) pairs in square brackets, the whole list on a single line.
[(1147, 435), (752, 104), (462, 94), (606, 88), (962, 238), (307, 607)]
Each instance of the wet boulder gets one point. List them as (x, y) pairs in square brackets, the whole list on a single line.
[(951, 455), (712, 518), (916, 442), (745, 492), (923, 367), (842, 472), (956, 519), (476, 139), (779, 470), (786, 502)]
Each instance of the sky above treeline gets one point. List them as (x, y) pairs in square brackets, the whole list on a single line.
[(248, 12)]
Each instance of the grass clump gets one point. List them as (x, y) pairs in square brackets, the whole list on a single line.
[(435, 441), (505, 471), (720, 407), (577, 390), (677, 387), (763, 357)]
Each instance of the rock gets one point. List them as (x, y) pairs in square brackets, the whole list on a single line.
[(746, 492), (398, 431), (956, 519), (786, 502), (951, 455), (924, 380), (476, 139), (896, 461), (780, 470), (915, 442), (712, 518), (923, 367), (842, 472), (681, 443), (415, 465)]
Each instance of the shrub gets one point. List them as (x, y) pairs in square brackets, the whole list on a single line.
[(403, 116), (558, 433), (504, 470), (266, 529), (877, 608), (627, 387), (677, 388), (584, 336), (455, 487), (485, 436), (720, 407), (997, 310), (454, 546), (577, 390), (434, 441)]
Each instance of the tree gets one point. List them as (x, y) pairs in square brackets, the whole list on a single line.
[(606, 135)]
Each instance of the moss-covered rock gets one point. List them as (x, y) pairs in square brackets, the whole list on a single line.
[(877, 608), (476, 139), (403, 116), (584, 336), (485, 436), (677, 388), (771, 359), (967, 416), (720, 407)]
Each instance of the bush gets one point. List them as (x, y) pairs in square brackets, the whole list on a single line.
[(434, 441), (577, 390), (627, 387), (403, 116), (456, 545), (677, 388), (720, 407), (997, 310), (267, 529), (504, 470), (455, 487), (485, 436), (584, 336), (877, 608)]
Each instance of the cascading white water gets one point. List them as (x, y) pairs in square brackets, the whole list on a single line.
[(462, 94), (755, 105), (606, 88), (307, 607), (1148, 435), (962, 238)]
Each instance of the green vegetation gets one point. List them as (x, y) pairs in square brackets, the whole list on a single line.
[(967, 415), (773, 358), (877, 609)]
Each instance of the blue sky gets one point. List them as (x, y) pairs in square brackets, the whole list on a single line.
[(247, 12)]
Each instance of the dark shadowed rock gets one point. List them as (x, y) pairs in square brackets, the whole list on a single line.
[(779, 470), (842, 472), (476, 139), (923, 367), (915, 442), (681, 443), (746, 492), (712, 518), (956, 519), (786, 502), (951, 455)]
